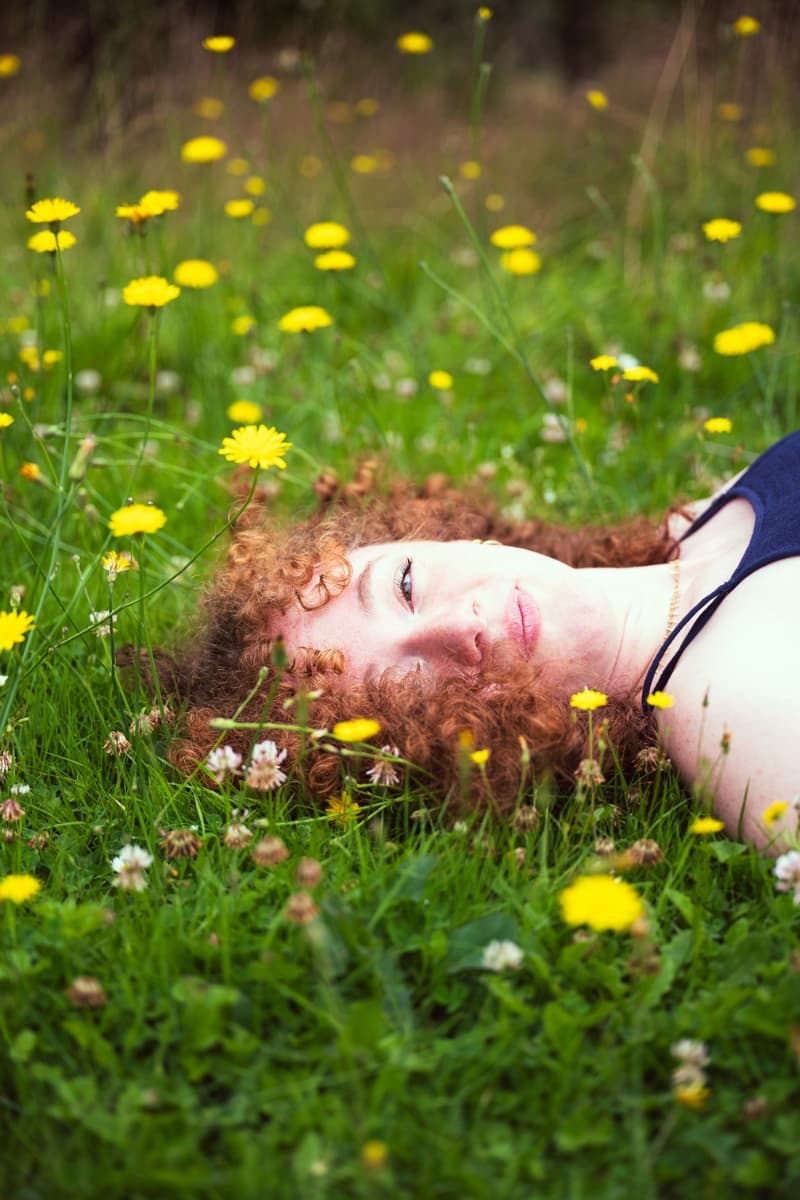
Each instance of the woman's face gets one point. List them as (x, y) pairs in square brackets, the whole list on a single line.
[(436, 605)]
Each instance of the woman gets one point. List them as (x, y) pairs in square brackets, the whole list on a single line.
[(452, 626)]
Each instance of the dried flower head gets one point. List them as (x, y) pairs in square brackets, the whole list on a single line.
[(237, 835), (301, 908), (309, 873), (645, 852), (179, 843), (116, 743), (588, 773), (87, 992), (383, 772), (526, 817), (11, 809), (269, 852)]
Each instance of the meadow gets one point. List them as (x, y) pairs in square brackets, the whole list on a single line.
[(233, 991)]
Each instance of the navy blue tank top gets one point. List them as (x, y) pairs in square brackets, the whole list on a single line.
[(770, 485)]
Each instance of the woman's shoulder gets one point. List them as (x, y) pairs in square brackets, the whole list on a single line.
[(732, 729)]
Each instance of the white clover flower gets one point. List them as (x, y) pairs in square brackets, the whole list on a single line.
[(691, 1053), (223, 763), (130, 865), (501, 955), (264, 771), (787, 873)]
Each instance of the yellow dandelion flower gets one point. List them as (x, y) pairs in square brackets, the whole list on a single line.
[(721, 229), (239, 208), (136, 518), (414, 43), (244, 412), (470, 169), (31, 472), (13, 628), (374, 1155), (257, 446), (495, 202), (702, 825), (776, 202), (44, 242), (237, 166), (254, 185), (744, 338), (692, 1095), (262, 216), (114, 564), (480, 757), (9, 65), (51, 212), (195, 273), (730, 111), (597, 99), (440, 381), (335, 260), (263, 88), (151, 291), (718, 425), (660, 700), (512, 237), (326, 235), (342, 810), (243, 325), (203, 150), (219, 45), (485, 14), (367, 107), (602, 362), (521, 262), (640, 374), (588, 700), (6, 418), (305, 319), (746, 26), (760, 156), (210, 108), (773, 812), (364, 164), (19, 888), (602, 902), (357, 730), (159, 201), (51, 357), (135, 213)]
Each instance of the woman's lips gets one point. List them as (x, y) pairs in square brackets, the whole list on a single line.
[(523, 620)]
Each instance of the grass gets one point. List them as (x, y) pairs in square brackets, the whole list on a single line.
[(233, 1049)]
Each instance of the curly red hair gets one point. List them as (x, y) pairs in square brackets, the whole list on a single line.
[(232, 666)]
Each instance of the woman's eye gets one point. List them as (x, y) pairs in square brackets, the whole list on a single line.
[(404, 585)]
